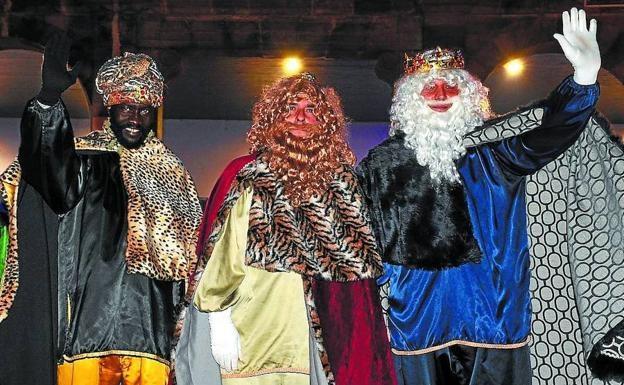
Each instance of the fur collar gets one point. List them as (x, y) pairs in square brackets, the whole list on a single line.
[(416, 224), (328, 238)]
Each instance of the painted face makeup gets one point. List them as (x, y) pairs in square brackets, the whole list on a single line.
[(131, 123), (301, 116), (440, 95)]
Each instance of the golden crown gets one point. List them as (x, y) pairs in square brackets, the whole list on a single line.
[(434, 59), (308, 76)]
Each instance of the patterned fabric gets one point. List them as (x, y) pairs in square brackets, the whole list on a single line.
[(575, 209), (327, 238), (163, 207), (614, 347), (9, 282), (131, 78)]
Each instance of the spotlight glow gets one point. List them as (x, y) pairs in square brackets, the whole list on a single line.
[(292, 65), (514, 67)]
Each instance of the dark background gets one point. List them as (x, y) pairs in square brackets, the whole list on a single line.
[(193, 39), (217, 55)]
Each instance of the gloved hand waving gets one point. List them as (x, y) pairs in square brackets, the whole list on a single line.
[(580, 46), (55, 75)]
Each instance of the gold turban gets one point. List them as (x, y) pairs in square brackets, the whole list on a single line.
[(130, 79)]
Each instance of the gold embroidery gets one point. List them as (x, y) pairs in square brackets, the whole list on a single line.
[(460, 342), (265, 371)]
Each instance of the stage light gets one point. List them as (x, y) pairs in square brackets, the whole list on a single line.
[(514, 67), (292, 65)]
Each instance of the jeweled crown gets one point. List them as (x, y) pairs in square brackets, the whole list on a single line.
[(437, 58)]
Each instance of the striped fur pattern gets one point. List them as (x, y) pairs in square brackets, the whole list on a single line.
[(327, 238)]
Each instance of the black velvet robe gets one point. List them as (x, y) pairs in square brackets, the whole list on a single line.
[(76, 297)]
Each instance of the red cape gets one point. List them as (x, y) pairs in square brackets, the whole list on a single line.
[(217, 196), (353, 328)]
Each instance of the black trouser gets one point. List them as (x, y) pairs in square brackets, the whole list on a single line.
[(464, 365)]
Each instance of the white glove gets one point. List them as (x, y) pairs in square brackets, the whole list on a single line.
[(224, 339), (580, 46)]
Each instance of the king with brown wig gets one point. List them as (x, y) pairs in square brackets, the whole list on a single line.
[(300, 131), (287, 255)]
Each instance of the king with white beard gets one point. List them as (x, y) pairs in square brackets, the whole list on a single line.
[(436, 109), (451, 221)]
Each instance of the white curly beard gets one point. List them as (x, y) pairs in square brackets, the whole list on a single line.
[(437, 138)]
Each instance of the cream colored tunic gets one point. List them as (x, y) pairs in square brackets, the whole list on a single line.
[(268, 309)]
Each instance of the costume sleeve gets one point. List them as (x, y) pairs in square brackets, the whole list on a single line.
[(48, 157), (387, 274), (367, 177), (220, 285), (566, 112)]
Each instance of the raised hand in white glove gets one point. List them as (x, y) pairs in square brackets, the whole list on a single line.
[(580, 46), (224, 339)]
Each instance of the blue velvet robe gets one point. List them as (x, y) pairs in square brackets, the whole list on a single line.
[(485, 302)]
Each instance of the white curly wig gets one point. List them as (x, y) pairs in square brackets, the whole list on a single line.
[(437, 137)]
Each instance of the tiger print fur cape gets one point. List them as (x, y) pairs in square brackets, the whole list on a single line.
[(328, 238)]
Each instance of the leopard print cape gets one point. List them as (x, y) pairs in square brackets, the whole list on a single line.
[(327, 238), (163, 207), (163, 212), (9, 181)]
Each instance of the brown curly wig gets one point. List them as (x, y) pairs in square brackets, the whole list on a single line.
[(306, 166)]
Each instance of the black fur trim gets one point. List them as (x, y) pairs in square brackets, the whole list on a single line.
[(416, 225)]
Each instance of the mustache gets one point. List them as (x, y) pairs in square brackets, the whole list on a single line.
[(285, 128), (306, 126)]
